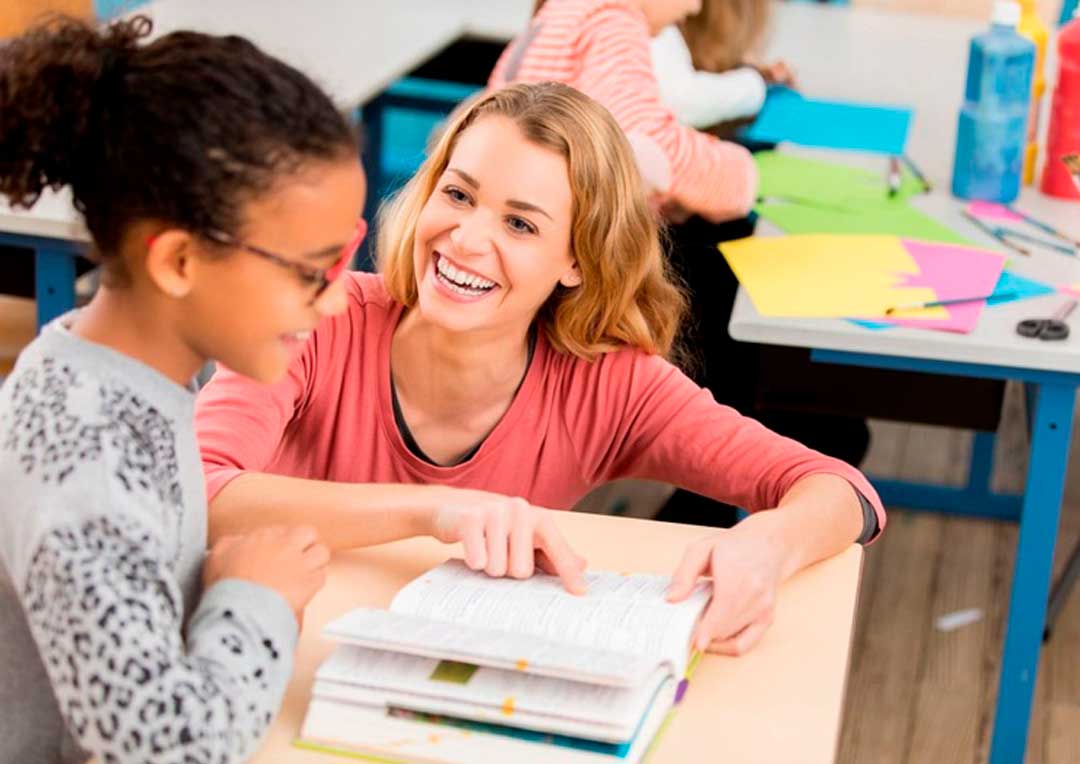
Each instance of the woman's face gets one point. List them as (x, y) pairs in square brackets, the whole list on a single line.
[(252, 313), (493, 240)]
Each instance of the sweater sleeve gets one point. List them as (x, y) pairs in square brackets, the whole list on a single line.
[(702, 99), (240, 422), (713, 178), (664, 427), (106, 614)]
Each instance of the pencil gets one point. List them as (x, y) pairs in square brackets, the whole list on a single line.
[(916, 172), (951, 301), (1043, 226), (1064, 249), (894, 180), (990, 231)]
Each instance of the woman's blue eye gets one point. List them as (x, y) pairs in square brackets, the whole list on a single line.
[(456, 194), (521, 225)]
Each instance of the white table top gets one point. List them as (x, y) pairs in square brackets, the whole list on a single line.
[(870, 55), (52, 217), (352, 48)]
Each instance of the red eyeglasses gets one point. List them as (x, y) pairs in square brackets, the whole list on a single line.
[(320, 278)]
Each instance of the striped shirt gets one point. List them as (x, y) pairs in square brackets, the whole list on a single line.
[(601, 47)]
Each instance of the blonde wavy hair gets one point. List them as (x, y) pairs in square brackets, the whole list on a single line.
[(627, 297), (726, 33)]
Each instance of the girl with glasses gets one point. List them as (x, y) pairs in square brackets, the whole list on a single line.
[(222, 190)]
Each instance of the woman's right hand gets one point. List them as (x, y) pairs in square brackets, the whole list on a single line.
[(290, 560), (505, 536)]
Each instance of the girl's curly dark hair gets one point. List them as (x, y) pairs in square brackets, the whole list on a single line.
[(183, 129)]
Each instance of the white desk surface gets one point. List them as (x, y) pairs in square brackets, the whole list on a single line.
[(917, 61), (52, 217), (353, 48)]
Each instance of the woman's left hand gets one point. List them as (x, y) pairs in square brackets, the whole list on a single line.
[(746, 572)]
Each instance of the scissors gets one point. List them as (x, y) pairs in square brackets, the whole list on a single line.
[(1053, 328)]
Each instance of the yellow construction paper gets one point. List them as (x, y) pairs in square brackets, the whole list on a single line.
[(827, 275)]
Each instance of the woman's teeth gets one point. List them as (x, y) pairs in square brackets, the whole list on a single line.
[(460, 281)]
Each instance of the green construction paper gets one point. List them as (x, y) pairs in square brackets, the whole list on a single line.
[(896, 219), (827, 184)]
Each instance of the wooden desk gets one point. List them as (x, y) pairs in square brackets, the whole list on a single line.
[(780, 703)]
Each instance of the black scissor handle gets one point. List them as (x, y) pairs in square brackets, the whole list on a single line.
[(1030, 327), (1043, 328)]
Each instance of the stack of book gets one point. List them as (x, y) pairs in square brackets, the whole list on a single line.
[(466, 668)]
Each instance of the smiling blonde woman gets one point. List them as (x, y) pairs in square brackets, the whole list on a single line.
[(514, 346)]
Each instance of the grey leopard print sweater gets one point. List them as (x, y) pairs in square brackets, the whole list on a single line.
[(102, 538)]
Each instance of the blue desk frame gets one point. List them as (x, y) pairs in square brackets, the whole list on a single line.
[(1053, 395), (54, 272)]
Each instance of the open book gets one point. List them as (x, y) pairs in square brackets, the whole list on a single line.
[(464, 667)]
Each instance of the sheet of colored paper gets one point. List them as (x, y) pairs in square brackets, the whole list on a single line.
[(789, 178), (1009, 288), (1012, 287), (788, 116), (1071, 289), (824, 275), (899, 219), (993, 211), (864, 276), (874, 326), (954, 272)]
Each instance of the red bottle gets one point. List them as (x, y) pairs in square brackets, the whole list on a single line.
[(1063, 133)]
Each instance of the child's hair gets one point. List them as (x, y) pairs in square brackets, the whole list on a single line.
[(627, 296), (181, 130), (725, 32)]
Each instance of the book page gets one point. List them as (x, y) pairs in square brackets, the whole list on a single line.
[(487, 693), (515, 651), (625, 613)]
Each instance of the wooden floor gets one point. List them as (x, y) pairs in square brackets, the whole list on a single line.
[(916, 694)]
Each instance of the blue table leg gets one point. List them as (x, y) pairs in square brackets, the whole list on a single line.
[(54, 282), (1051, 428)]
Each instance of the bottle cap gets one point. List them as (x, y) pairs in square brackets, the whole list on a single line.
[(1006, 13)]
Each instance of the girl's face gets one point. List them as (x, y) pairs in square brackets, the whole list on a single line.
[(663, 13), (493, 240), (251, 312)]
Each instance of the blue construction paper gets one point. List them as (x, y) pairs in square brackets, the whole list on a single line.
[(1021, 287), (872, 325), (788, 116)]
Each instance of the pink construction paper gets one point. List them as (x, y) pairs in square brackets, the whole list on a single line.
[(993, 211), (952, 271), (1070, 289)]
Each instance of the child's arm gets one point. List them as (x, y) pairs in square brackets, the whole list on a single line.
[(106, 613), (703, 99), (710, 177)]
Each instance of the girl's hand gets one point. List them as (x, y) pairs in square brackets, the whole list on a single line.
[(746, 573), (291, 561), (778, 73), (506, 536)]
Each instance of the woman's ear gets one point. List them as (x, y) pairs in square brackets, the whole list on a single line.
[(572, 277), (168, 262)]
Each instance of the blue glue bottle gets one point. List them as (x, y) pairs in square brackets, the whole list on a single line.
[(991, 134)]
